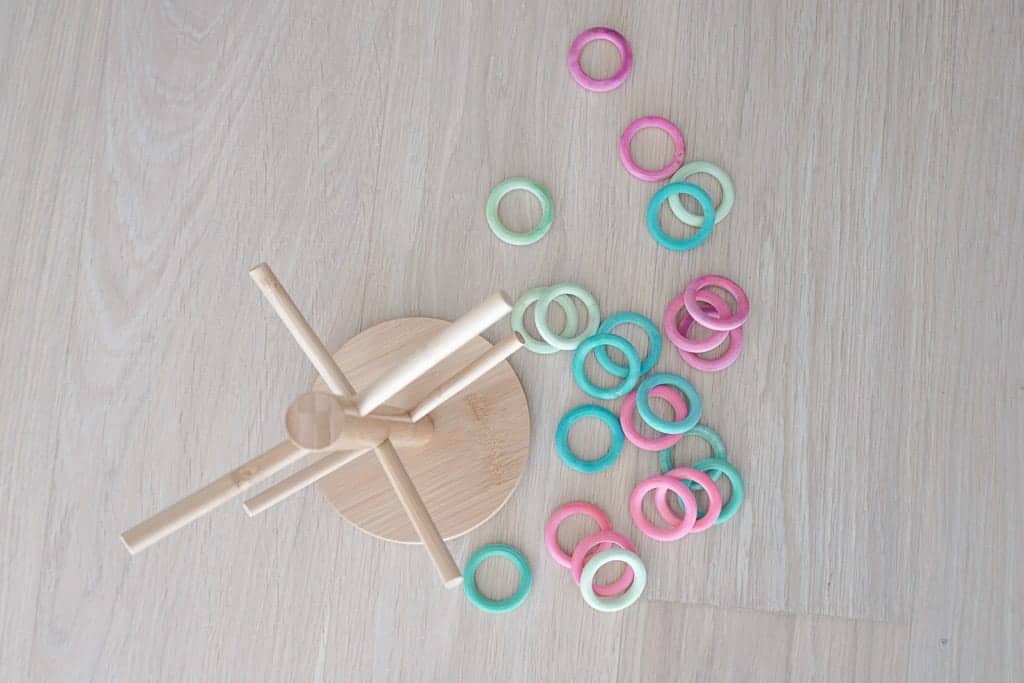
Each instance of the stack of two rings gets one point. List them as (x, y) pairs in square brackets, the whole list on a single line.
[(707, 309), (543, 297)]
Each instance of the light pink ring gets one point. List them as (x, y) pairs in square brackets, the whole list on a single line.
[(625, 59), (714, 499), (678, 339), (627, 415), (568, 510), (652, 122), (715, 307), (582, 554), (726, 323), (673, 533)]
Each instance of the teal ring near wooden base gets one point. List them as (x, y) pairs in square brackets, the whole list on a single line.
[(562, 438), (488, 604)]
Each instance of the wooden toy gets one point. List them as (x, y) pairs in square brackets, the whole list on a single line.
[(441, 409)]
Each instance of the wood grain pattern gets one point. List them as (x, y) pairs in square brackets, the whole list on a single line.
[(151, 152)]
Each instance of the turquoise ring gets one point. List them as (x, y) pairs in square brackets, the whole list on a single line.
[(579, 371), (685, 243), (489, 604), (643, 405), (653, 339), (562, 439)]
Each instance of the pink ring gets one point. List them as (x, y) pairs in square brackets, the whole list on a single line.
[(625, 57), (627, 415), (727, 323), (559, 515), (677, 140), (599, 539), (714, 499), (679, 340), (716, 307), (673, 533)]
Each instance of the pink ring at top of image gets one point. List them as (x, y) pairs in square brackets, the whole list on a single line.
[(581, 555), (559, 515), (722, 324), (625, 59), (673, 533), (627, 415), (714, 499), (655, 175), (715, 309), (679, 339)]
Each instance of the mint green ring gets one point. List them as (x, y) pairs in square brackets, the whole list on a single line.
[(579, 371), (541, 316), (519, 239), (572, 319), (716, 467), (643, 405), (488, 604), (696, 239), (618, 602), (716, 172), (717, 452)]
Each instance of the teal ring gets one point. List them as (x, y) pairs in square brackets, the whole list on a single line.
[(716, 467), (579, 371), (562, 438), (717, 452), (540, 315), (519, 239), (687, 243), (653, 337), (643, 405), (482, 601)]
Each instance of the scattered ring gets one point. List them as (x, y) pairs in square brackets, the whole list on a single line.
[(519, 239), (519, 310), (715, 467), (685, 474), (625, 58), (680, 425), (622, 601), (669, 320), (712, 439), (562, 439), (684, 243), (719, 308), (579, 370), (488, 604), (602, 540), (698, 314), (665, 441), (672, 533), (541, 316), (652, 176), (653, 339), (728, 192), (559, 515)]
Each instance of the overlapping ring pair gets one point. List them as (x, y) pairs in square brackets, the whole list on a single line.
[(569, 338), (701, 306)]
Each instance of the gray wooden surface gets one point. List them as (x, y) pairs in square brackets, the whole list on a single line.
[(151, 152)]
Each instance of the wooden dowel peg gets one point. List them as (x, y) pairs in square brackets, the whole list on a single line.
[(294, 483), (469, 374), (319, 422), (218, 492), (433, 351)]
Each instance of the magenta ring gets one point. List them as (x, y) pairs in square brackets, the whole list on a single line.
[(678, 339), (715, 307), (677, 140), (627, 415), (602, 539), (636, 510), (709, 517), (568, 510), (698, 314), (625, 58)]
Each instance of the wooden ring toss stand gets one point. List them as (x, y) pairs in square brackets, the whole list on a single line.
[(438, 406)]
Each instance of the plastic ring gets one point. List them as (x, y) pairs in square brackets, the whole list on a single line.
[(685, 474), (728, 192), (519, 310), (622, 601), (649, 175), (628, 411), (728, 323), (579, 371), (673, 533), (625, 57), (679, 426), (602, 540), (685, 243), (577, 507), (488, 604), (541, 316), (562, 439), (653, 339), (711, 437), (669, 321), (716, 467), (732, 351), (519, 239)]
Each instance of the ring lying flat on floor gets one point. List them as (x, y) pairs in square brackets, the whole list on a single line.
[(728, 192), (519, 311), (653, 342), (625, 59), (562, 439), (649, 175), (622, 601), (577, 507), (519, 239), (541, 316), (488, 604), (679, 426), (593, 343), (685, 243)]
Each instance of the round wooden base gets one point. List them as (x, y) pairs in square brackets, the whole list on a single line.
[(474, 459)]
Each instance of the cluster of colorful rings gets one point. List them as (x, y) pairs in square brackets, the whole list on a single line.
[(710, 214), (491, 605), (543, 297), (592, 553), (701, 306)]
